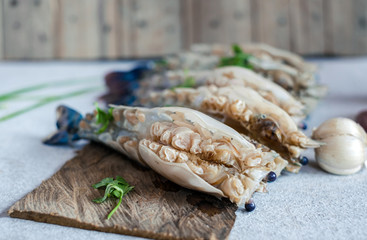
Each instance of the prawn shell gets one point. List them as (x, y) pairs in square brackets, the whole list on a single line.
[(178, 173), (212, 124), (247, 78), (293, 60)]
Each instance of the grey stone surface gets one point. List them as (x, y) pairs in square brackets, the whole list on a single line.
[(308, 205)]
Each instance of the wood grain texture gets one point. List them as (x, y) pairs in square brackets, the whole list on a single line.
[(79, 29), (223, 21), (314, 22), (238, 21), (297, 41), (43, 20), (125, 38), (156, 30), (17, 29), (187, 22), (93, 29), (271, 22), (29, 29), (1, 30), (360, 23), (156, 208), (339, 30), (108, 12), (307, 26)]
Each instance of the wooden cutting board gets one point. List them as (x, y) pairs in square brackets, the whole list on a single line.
[(156, 208)]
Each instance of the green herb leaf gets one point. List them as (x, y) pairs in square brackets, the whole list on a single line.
[(47, 100), (103, 118), (103, 183), (163, 63), (188, 83), (116, 193), (237, 49), (120, 180), (114, 189), (239, 58), (107, 194), (64, 82)]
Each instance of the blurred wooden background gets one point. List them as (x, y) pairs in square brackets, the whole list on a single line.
[(97, 29)]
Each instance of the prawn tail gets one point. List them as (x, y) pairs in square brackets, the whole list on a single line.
[(67, 124)]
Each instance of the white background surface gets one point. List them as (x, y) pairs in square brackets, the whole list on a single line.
[(308, 205)]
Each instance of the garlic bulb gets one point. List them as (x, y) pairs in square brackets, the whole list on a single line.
[(344, 149)]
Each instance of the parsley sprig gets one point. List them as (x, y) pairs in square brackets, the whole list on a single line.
[(115, 188), (239, 58), (103, 118), (189, 81), (161, 63)]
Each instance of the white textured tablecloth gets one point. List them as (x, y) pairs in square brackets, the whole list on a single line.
[(308, 205)]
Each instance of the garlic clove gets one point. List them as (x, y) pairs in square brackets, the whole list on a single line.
[(341, 155), (344, 149), (339, 126)]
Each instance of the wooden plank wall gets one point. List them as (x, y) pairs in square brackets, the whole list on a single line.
[(110, 29), (1, 32), (307, 26)]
